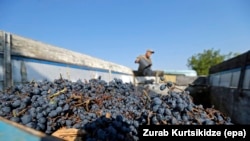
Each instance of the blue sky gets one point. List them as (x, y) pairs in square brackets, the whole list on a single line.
[(120, 30)]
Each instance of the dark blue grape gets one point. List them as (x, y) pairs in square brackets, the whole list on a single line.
[(26, 119), (157, 101), (42, 120), (45, 88), (16, 103), (219, 117), (117, 124), (66, 107), (155, 108), (44, 93), (135, 138), (154, 120), (190, 107), (15, 119), (208, 122), (31, 125), (120, 137), (36, 91), (136, 124), (163, 87), (168, 118), (41, 126), (184, 118), (91, 139), (53, 114), (161, 111), (48, 132), (119, 118), (160, 117), (23, 106), (77, 126), (62, 122), (167, 112), (35, 104), (33, 114), (59, 109), (101, 134), (68, 123), (112, 130), (173, 104), (180, 107), (45, 113), (26, 100), (52, 105), (6, 109), (174, 121), (60, 103)]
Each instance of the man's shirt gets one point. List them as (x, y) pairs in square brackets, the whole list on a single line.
[(140, 68)]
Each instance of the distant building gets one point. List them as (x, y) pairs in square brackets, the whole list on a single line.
[(180, 77), (181, 72)]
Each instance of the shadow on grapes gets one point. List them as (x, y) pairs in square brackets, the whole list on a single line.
[(106, 128)]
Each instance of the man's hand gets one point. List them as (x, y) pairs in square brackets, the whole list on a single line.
[(137, 60)]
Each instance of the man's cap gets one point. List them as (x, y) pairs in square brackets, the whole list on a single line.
[(150, 50)]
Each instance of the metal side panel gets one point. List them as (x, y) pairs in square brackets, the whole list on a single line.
[(21, 46), (123, 77), (26, 69), (241, 112), (1, 41), (1, 72), (141, 79)]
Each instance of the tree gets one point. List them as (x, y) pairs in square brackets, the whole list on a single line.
[(201, 62)]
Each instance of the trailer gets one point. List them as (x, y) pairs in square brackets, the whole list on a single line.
[(226, 87), (27, 61), (12, 131)]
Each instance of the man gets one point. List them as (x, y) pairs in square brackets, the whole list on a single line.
[(145, 63)]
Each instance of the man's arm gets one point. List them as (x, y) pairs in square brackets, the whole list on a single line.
[(137, 59)]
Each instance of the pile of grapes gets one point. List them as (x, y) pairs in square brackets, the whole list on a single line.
[(48, 106)]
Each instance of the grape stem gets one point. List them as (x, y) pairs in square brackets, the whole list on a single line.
[(149, 116), (58, 93), (146, 94), (85, 103), (19, 113)]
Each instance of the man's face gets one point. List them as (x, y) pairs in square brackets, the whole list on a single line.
[(148, 54)]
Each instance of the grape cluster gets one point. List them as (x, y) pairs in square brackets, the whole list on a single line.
[(47, 106), (110, 129)]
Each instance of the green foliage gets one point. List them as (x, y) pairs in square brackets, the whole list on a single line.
[(201, 62)]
